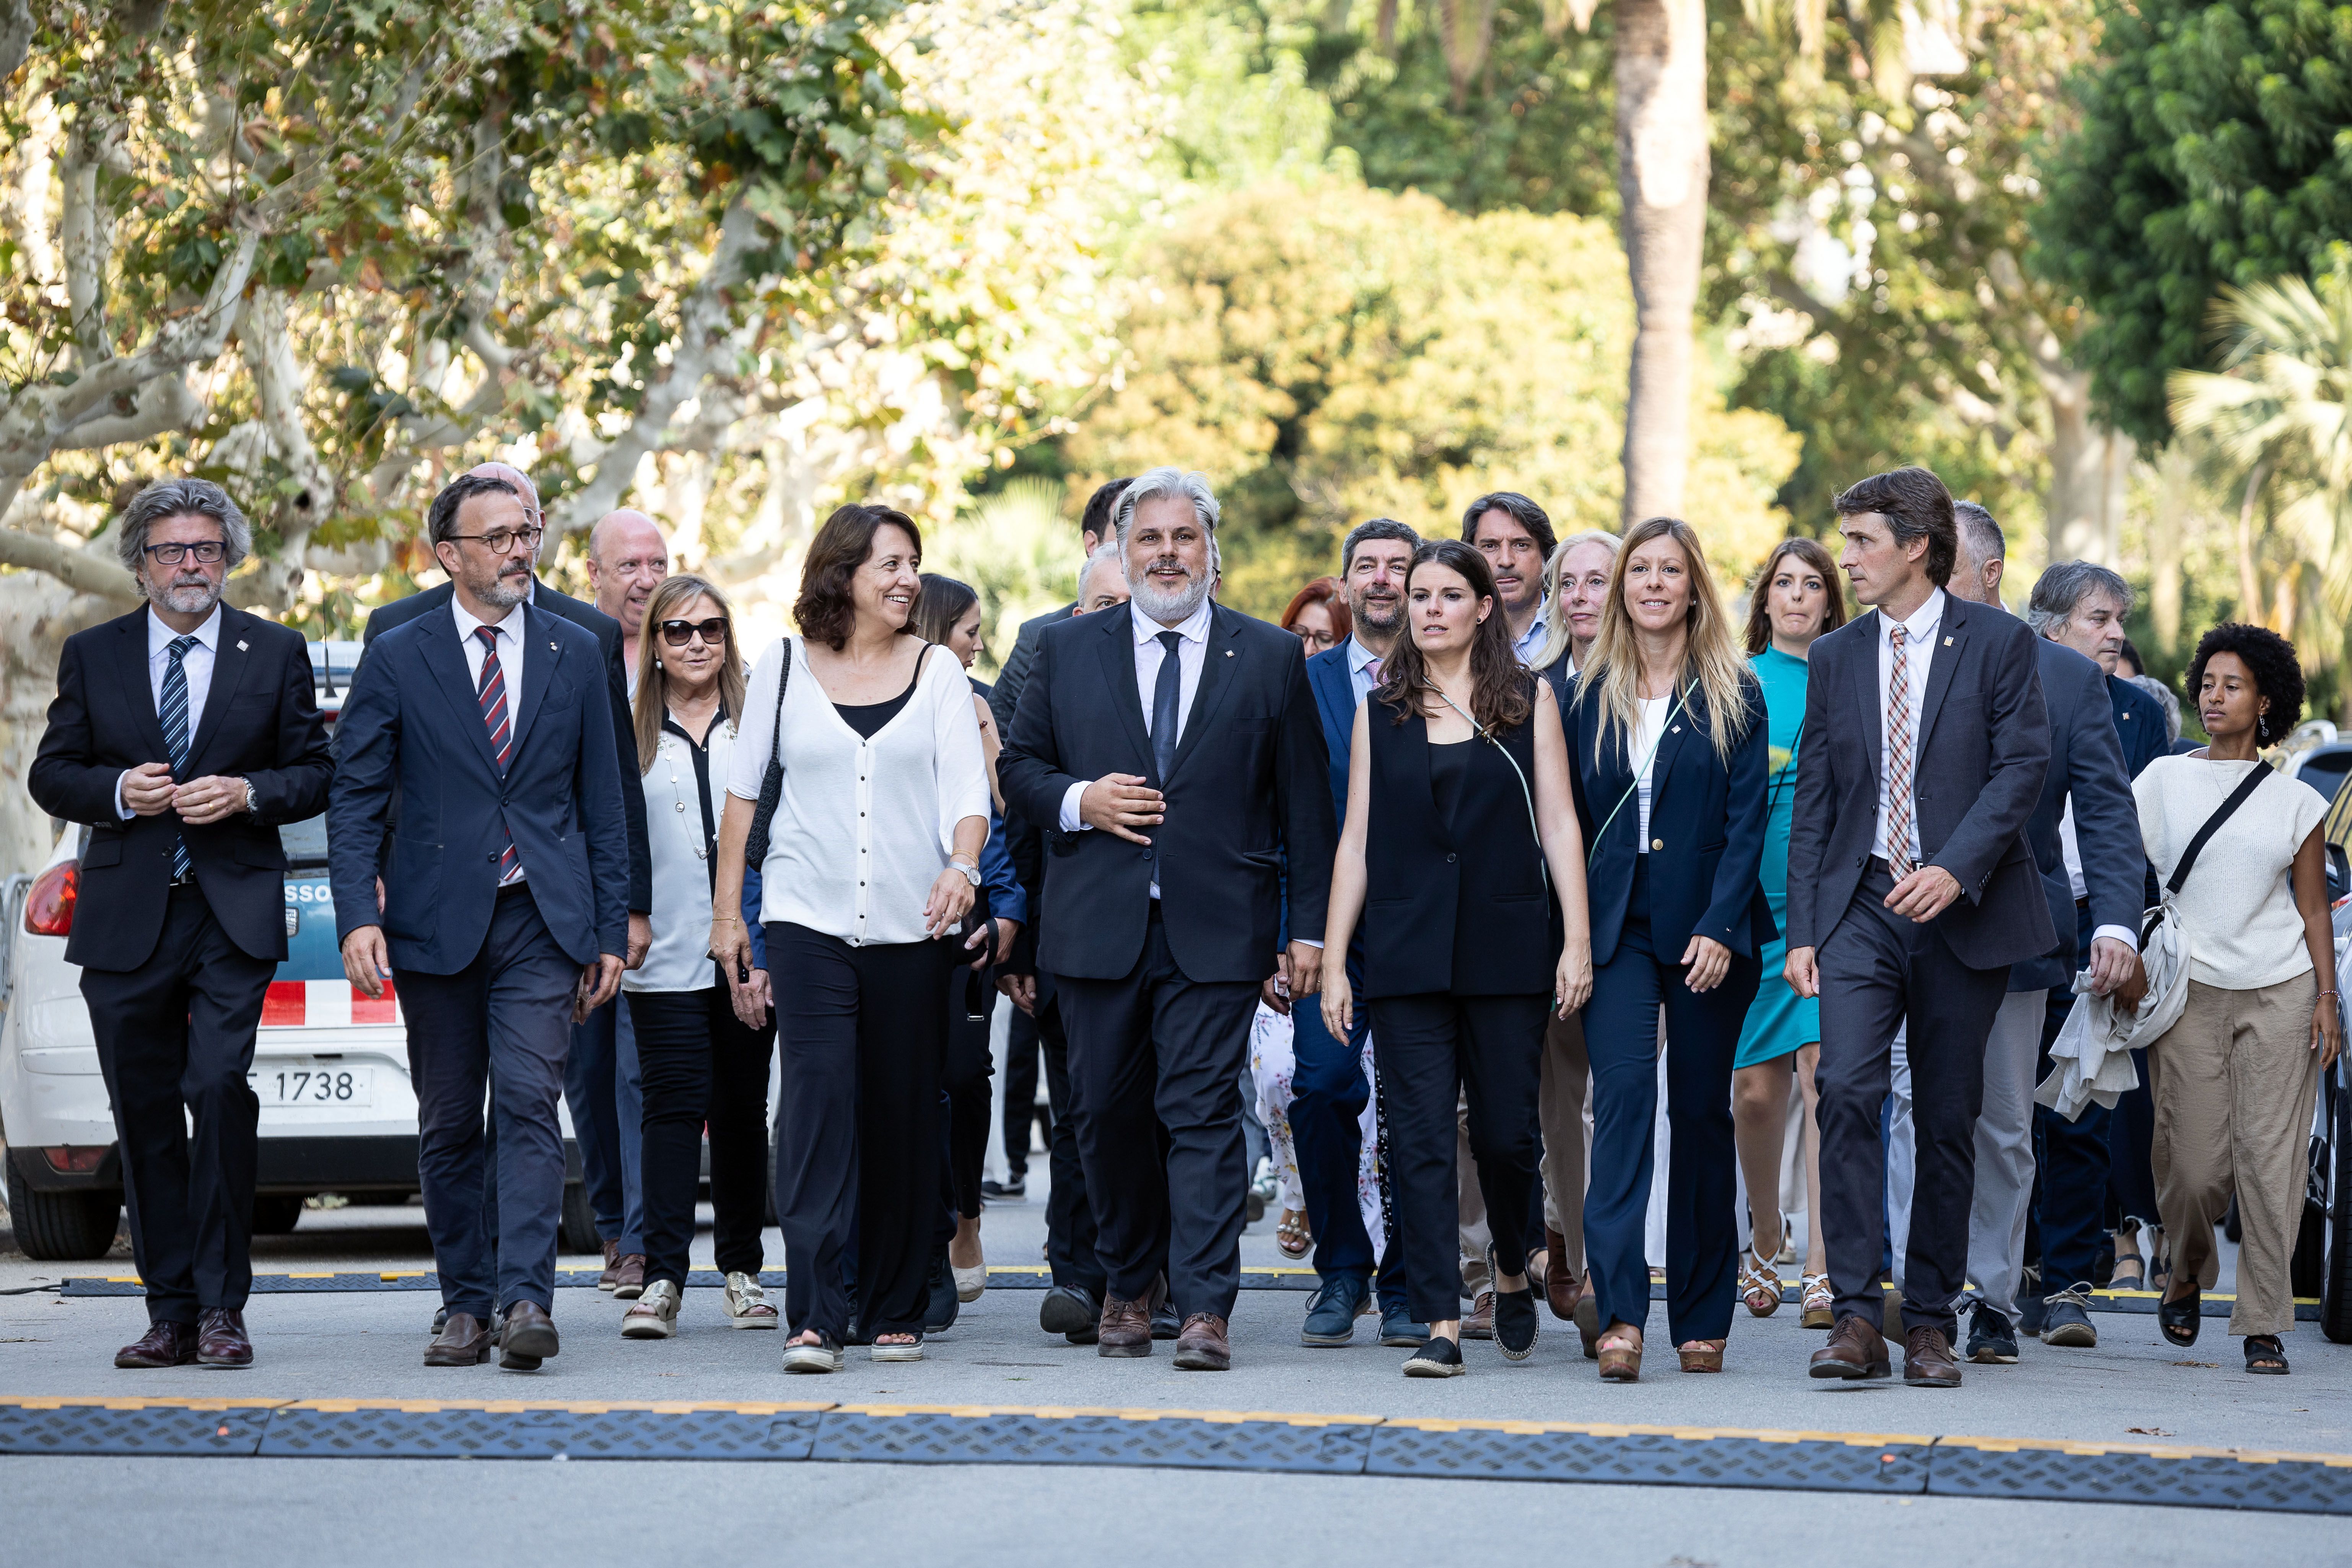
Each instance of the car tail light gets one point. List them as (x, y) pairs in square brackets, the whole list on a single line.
[(49, 905), (71, 1158)]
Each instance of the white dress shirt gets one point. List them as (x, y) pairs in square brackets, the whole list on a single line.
[(1918, 652), (1649, 732), (1191, 651), (196, 664)]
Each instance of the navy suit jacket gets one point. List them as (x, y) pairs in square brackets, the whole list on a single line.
[(2139, 724), (2086, 765), (1334, 704), (1707, 829), (1980, 756), (411, 722), (260, 723), (1247, 791)]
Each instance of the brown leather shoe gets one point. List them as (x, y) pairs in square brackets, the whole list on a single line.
[(1562, 1285), (1480, 1322), (164, 1344), (221, 1338), (612, 1275), (526, 1337), (1856, 1350), (1124, 1332), (628, 1277), (463, 1341), (1928, 1361), (1202, 1345)]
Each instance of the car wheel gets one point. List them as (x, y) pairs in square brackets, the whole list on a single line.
[(64, 1227), (577, 1229), (2335, 1291), (275, 1213)]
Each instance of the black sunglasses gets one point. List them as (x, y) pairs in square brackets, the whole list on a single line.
[(677, 633)]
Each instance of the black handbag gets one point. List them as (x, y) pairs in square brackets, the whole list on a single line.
[(772, 782)]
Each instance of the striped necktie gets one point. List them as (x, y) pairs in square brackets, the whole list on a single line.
[(1898, 758), (174, 712), (493, 696)]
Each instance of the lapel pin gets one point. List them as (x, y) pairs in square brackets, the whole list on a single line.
[(552, 648), (1229, 653), (240, 646), (1677, 730), (1947, 642)]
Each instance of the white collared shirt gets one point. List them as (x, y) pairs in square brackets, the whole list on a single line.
[(1530, 643), (197, 664), (1918, 654), (1191, 650), (510, 651), (1360, 679)]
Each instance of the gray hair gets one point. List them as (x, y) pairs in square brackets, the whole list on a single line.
[(1986, 541), (1375, 528), (1166, 483), (182, 498), (2066, 585)]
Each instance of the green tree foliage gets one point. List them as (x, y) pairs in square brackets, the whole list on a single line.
[(2215, 149), (1327, 353)]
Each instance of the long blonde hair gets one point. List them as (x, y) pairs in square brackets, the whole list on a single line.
[(1557, 633), (1711, 658), (670, 597)]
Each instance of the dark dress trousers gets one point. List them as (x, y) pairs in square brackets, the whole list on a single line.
[(609, 1136), (1157, 993), (1459, 956), (1695, 874), (174, 975), (1981, 752), (487, 975)]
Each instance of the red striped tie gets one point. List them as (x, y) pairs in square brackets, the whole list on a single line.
[(501, 728), (1898, 758)]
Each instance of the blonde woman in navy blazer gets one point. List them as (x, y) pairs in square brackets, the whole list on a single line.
[(1673, 850)]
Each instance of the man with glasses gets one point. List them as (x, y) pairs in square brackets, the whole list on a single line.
[(502, 908), (181, 734)]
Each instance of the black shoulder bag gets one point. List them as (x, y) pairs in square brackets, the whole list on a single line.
[(2222, 814), (772, 782)]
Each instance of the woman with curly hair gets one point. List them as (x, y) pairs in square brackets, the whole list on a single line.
[(2233, 1079)]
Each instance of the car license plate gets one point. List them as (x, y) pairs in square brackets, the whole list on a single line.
[(321, 1084)]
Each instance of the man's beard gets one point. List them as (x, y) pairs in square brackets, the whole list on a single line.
[(1364, 612), (502, 592), (1167, 609), (190, 597)]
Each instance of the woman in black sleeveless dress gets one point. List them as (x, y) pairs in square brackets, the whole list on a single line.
[(1462, 857)]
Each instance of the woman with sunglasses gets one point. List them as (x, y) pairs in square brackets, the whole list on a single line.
[(1461, 830), (703, 1034), (1667, 745)]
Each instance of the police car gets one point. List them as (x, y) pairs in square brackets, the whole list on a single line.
[(330, 1063)]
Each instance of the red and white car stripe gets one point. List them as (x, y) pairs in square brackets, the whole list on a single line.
[(326, 1004)]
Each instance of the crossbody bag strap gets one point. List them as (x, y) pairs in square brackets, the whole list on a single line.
[(2238, 797)]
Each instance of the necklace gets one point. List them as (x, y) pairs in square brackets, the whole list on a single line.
[(677, 790)]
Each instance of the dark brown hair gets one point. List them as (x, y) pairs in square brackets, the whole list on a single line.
[(1810, 551), (1326, 592), (1916, 505), (825, 610), (1501, 689)]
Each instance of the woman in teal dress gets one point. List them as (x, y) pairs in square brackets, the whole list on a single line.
[(1798, 597)]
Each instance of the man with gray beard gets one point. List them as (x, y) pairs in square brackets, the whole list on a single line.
[(181, 734), (1170, 747)]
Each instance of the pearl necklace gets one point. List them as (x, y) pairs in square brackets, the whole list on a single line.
[(678, 791)]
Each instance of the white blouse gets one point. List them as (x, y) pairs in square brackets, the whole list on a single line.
[(864, 828), (680, 958), (2238, 904)]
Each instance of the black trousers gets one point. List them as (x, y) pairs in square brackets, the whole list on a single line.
[(1879, 971), (1024, 1047), (864, 1034), (971, 1013), (1434, 1052), (701, 1066), (1071, 1241), (1156, 1050), (178, 1032)]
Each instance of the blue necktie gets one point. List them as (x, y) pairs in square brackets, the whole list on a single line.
[(174, 712), (1165, 691)]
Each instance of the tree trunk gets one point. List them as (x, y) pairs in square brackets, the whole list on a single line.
[(2090, 472), (1662, 177), (2176, 482), (37, 615)]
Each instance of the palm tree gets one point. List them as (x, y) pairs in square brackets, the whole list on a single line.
[(2280, 411)]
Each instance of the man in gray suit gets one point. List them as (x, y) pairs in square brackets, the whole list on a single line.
[(1911, 891)]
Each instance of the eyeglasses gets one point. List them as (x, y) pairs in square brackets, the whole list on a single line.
[(501, 540), (677, 633), (206, 551)]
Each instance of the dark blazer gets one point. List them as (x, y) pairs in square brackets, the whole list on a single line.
[(1706, 827), (1334, 704), (580, 613), (1248, 787), (411, 721), (260, 723), (2139, 724), (1980, 757), (2087, 764), (1004, 699)]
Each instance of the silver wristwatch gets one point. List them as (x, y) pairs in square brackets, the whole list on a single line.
[(970, 873), (252, 801)]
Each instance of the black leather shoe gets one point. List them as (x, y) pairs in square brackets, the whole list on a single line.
[(1165, 1324), (939, 1313), (526, 1337), (164, 1344), (1068, 1310)]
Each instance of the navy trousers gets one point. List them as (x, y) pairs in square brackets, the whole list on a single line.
[(1327, 1094), (607, 1121), (1070, 1237), (1620, 1038)]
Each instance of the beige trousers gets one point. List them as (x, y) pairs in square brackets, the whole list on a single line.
[(1567, 1141), (2233, 1081)]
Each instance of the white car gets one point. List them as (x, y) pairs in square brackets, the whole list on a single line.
[(329, 1063)]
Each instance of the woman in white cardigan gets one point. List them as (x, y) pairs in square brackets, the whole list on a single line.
[(873, 863)]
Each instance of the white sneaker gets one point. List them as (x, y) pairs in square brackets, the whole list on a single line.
[(654, 1315), (746, 1304)]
